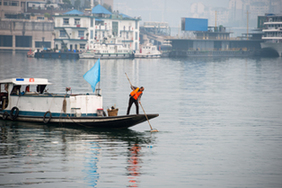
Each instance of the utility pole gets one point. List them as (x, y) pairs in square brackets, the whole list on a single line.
[(215, 19), (248, 24)]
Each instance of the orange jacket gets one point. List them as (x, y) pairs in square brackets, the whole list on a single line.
[(136, 93)]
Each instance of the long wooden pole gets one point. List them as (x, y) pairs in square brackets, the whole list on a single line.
[(152, 130)]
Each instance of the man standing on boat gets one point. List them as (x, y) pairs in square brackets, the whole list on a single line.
[(134, 97)]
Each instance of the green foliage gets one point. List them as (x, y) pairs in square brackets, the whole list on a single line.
[(47, 15)]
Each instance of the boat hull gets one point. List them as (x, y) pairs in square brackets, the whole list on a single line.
[(147, 55), (104, 122), (274, 46), (57, 55), (107, 56)]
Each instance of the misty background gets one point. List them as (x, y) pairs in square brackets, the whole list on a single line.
[(232, 14)]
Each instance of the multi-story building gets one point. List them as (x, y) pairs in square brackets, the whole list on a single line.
[(78, 30), (11, 8)]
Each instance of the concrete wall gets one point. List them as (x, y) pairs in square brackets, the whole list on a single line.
[(39, 31)]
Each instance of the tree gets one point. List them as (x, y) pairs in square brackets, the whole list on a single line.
[(47, 15)]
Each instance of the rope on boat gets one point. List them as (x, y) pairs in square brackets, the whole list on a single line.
[(64, 110), (64, 107)]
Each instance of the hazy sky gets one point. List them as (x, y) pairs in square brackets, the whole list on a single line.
[(169, 11)]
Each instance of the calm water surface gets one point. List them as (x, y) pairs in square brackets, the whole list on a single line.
[(220, 125)]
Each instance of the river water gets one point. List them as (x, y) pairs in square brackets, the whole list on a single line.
[(220, 125)]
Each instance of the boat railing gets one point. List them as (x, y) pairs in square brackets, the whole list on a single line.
[(46, 94)]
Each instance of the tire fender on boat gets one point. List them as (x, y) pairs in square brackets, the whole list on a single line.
[(14, 115), (5, 115), (47, 120)]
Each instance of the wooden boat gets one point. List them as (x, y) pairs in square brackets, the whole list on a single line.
[(25, 99)]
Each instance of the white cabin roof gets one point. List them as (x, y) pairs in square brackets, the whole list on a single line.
[(26, 81)]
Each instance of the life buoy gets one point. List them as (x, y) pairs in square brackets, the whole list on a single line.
[(5, 115), (48, 118), (14, 116)]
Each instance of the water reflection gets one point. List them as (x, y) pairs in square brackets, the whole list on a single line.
[(134, 165), (33, 154), (91, 164)]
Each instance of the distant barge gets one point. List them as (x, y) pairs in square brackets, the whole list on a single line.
[(188, 53), (56, 55)]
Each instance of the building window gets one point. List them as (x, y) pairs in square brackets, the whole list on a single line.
[(91, 24), (41, 44), (6, 3), (62, 33), (77, 21), (80, 33), (82, 46), (91, 34), (66, 21), (136, 36), (14, 3), (115, 28)]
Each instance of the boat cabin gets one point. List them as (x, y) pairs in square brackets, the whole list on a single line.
[(20, 87)]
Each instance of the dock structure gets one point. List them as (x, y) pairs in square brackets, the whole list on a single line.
[(215, 42), (154, 32)]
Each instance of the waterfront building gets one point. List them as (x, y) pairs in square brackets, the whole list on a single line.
[(214, 42), (22, 34), (82, 30)]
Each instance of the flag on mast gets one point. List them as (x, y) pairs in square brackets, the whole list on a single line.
[(93, 75)]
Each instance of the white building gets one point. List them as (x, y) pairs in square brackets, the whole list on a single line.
[(78, 30)]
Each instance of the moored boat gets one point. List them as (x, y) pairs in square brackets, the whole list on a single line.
[(30, 53), (148, 51), (272, 45), (46, 53), (107, 51), (25, 99)]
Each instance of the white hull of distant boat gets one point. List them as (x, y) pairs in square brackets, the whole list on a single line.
[(275, 46), (107, 51), (148, 51)]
